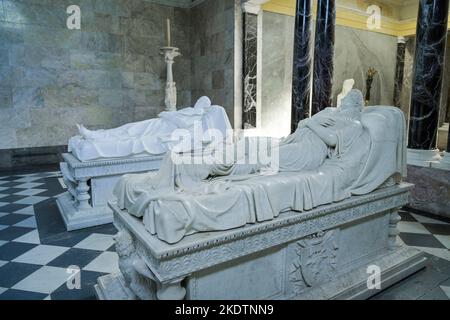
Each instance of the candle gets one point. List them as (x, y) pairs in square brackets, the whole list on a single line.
[(168, 32)]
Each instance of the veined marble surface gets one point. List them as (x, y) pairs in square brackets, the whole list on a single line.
[(250, 68), (323, 55), (431, 40), (301, 87)]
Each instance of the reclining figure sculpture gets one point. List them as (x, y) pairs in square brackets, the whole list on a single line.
[(329, 157)]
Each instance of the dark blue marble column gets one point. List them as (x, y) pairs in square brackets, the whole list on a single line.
[(323, 55), (399, 70), (431, 36), (250, 22), (301, 74)]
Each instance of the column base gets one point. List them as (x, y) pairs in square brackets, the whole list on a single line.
[(444, 164), (422, 158)]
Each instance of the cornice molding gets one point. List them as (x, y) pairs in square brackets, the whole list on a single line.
[(357, 19)]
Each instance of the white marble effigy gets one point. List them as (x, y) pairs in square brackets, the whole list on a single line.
[(344, 250), (332, 156), (97, 159)]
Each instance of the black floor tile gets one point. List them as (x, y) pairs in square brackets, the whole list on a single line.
[(11, 184), (420, 240), (12, 218), (12, 233), (12, 207), (9, 177), (52, 185), (74, 256), (13, 272), (406, 216), (11, 190), (427, 214), (436, 228), (435, 294), (48, 219), (13, 294), (12, 198)]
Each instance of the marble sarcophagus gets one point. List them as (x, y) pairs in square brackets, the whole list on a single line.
[(323, 225), (344, 250), (97, 159), (90, 186)]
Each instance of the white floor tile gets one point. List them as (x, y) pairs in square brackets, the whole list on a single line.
[(3, 290), (45, 280), (96, 241), (27, 210), (2, 263), (29, 185), (31, 200), (27, 223), (423, 219), (3, 227), (106, 262), (48, 297), (30, 237), (446, 290), (41, 254), (440, 253), (3, 214), (30, 192), (445, 240), (412, 227), (27, 179), (2, 242)]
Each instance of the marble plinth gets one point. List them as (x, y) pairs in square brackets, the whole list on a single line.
[(423, 158), (444, 163), (442, 138), (432, 189), (322, 253), (90, 185)]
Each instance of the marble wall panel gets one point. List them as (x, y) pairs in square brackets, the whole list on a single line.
[(355, 52), (212, 23), (106, 74)]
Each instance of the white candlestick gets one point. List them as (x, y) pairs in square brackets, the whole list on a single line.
[(168, 32)]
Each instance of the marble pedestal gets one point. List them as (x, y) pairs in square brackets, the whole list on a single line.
[(431, 191), (423, 158), (325, 253), (90, 185)]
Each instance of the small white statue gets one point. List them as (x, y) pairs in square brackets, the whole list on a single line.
[(346, 88)]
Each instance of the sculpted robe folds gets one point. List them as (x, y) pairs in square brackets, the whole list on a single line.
[(182, 199)]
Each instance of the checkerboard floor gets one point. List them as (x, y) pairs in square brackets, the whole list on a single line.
[(39, 259)]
